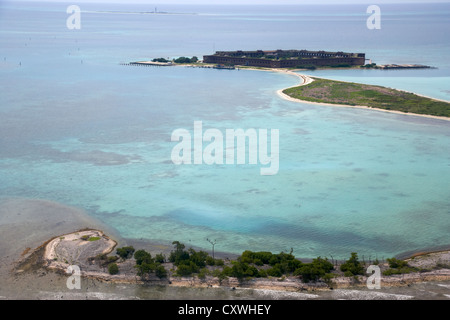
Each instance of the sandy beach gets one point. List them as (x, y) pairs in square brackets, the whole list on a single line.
[(53, 258), (305, 80), (45, 230)]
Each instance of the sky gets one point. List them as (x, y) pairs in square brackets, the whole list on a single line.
[(249, 2)]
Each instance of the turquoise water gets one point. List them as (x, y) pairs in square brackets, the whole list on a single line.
[(78, 128)]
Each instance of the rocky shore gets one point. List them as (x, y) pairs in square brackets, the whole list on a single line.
[(89, 248)]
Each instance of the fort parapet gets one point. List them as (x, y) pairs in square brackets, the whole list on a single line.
[(285, 58)]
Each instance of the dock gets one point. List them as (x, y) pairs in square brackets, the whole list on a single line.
[(168, 64), (149, 63), (404, 66)]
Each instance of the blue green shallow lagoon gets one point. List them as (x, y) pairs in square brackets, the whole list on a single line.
[(78, 128)]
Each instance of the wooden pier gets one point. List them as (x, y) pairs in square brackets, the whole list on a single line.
[(148, 64)]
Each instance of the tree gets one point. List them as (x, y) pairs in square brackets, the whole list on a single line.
[(186, 269), (352, 266), (179, 254), (143, 256), (396, 263), (125, 252), (160, 258), (160, 60), (145, 268), (315, 270), (113, 268), (198, 257), (308, 272), (161, 272), (275, 271), (194, 59)]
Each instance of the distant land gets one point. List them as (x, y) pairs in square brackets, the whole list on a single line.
[(138, 12), (316, 90), (371, 96)]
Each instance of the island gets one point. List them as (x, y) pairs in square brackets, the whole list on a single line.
[(93, 253), (318, 90), (340, 93)]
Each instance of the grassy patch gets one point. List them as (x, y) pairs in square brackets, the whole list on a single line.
[(355, 94)]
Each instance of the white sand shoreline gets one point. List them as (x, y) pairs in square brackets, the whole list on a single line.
[(307, 80), (75, 248)]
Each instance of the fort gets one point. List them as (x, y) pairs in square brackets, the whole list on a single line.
[(286, 58)]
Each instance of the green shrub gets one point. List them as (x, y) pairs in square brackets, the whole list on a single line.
[(203, 273), (161, 272), (315, 270), (179, 254), (143, 256), (186, 60), (113, 268), (125, 252), (219, 262), (258, 262), (160, 258), (396, 263), (187, 269), (352, 266), (210, 261), (397, 266), (160, 60), (145, 268), (274, 271)]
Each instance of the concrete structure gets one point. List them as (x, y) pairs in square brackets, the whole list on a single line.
[(285, 58)]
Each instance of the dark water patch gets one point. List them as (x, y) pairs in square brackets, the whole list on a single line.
[(100, 158), (164, 175), (301, 131), (44, 152), (420, 174), (329, 237), (127, 135), (215, 220)]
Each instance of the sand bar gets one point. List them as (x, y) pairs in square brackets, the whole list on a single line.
[(305, 80)]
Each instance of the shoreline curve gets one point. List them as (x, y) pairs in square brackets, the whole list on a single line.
[(307, 80)]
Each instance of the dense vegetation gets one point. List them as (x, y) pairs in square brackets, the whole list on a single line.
[(369, 66), (194, 59), (398, 267), (352, 266), (250, 264), (125, 252), (146, 264), (354, 94), (160, 60), (113, 268)]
